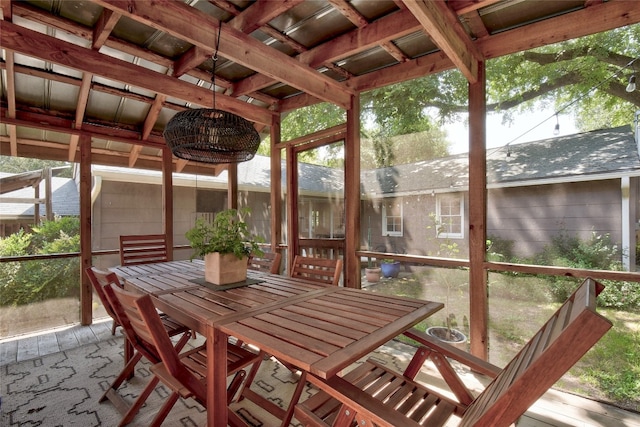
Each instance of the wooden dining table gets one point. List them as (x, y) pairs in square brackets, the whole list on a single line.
[(320, 329)]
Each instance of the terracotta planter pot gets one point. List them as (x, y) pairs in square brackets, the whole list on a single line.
[(451, 336), (372, 274), (222, 269)]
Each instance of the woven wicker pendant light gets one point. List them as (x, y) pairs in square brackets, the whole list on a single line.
[(209, 135)]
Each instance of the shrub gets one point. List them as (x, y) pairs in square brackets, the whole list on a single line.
[(31, 281), (599, 252), (499, 249), (620, 295), (49, 231)]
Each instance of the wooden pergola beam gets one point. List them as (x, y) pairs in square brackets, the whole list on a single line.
[(445, 30)]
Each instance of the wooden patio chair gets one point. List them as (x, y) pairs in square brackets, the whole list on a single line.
[(99, 279), (183, 373), (143, 249), (102, 282), (373, 394), (319, 270), (268, 262)]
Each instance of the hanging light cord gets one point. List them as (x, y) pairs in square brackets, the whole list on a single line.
[(214, 58), (567, 106)]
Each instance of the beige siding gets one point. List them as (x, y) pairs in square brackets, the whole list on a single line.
[(532, 216)]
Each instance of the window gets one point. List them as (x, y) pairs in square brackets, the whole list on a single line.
[(449, 212), (392, 218)]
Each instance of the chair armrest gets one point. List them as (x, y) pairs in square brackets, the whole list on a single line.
[(474, 363)]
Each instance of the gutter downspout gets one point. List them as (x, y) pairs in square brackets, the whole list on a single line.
[(95, 191)]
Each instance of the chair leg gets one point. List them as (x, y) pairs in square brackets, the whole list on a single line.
[(114, 325), (129, 352), (250, 377), (235, 384), (133, 409), (125, 374), (164, 411), (295, 398)]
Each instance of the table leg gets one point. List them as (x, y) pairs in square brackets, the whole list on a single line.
[(216, 377)]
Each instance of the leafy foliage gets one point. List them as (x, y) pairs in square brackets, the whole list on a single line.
[(598, 252), (381, 151), (227, 234), (16, 165), (585, 76), (47, 233), (31, 281)]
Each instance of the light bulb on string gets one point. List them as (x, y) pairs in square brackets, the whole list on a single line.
[(556, 129), (632, 83)]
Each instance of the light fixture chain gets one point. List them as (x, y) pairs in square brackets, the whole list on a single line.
[(214, 58)]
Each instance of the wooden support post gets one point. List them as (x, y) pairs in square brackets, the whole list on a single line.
[(478, 299), (167, 199), (48, 194), (276, 185), (86, 295), (232, 186), (352, 276), (292, 207)]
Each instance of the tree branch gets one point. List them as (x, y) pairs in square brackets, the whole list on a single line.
[(609, 57)]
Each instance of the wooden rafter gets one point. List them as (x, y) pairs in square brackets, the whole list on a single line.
[(186, 23), (35, 44), (81, 107), (388, 28), (445, 30)]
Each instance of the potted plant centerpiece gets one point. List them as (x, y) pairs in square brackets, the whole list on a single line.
[(225, 245)]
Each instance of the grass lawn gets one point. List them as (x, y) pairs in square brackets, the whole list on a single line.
[(518, 307)]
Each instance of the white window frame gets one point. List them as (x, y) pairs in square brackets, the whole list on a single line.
[(441, 219), (385, 230)]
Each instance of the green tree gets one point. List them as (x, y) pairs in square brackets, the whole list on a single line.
[(585, 76), (17, 165)]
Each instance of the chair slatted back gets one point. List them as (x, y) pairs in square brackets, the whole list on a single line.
[(123, 304), (143, 249), (319, 270), (99, 279), (552, 351), (268, 262)]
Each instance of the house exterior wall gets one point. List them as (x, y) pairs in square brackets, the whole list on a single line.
[(130, 208), (260, 219), (532, 216), (528, 216), (419, 228), (136, 208)]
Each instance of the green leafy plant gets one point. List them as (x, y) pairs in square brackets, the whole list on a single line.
[(227, 234), (25, 282)]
